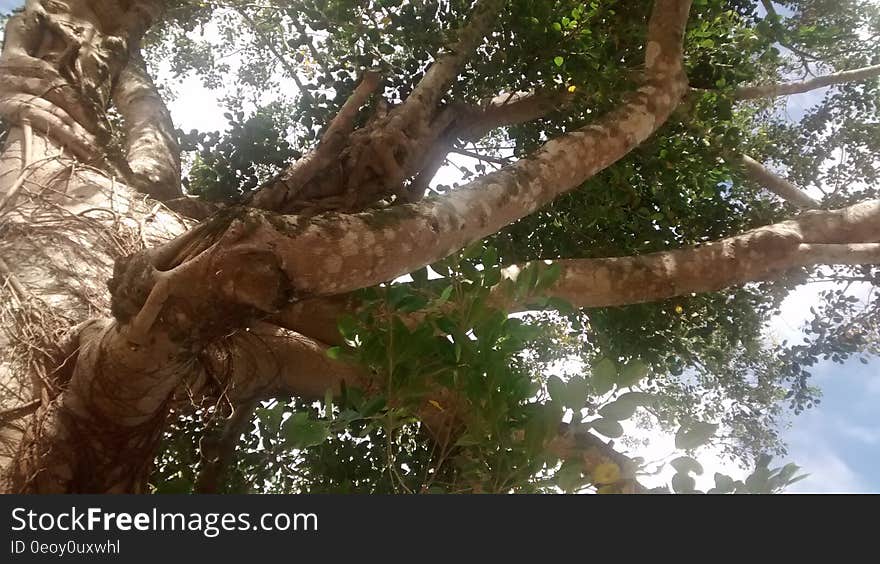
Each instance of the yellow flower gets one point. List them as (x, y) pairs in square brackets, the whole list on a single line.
[(679, 310), (572, 88)]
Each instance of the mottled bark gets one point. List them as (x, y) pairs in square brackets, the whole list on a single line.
[(756, 255)]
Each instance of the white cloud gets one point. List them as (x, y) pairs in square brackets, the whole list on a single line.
[(828, 472)]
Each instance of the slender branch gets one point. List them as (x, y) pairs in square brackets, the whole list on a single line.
[(763, 176), (216, 453), (788, 88), (282, 60), (508, 110), (426, 94), (13, 280), (289, 183), (480, 156)]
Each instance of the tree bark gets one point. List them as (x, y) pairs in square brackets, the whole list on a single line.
[(183, 317)]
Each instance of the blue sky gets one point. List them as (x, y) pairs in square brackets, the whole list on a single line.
[(838, 442)]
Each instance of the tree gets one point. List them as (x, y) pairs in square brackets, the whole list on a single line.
[(629, 214)]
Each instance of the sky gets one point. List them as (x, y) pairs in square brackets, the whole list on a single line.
[(837, 443)]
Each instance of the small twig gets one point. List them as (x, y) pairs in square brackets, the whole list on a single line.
[(487, 158), (13, 280), (12, 414)]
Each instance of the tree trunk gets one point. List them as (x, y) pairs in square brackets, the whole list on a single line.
[(66, 214)]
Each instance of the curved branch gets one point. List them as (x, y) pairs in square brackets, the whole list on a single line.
[(265, 362), (249, 259), (288, 185)]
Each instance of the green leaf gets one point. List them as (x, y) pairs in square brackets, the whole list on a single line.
[(549, 275), (604, 375), (558, 60), (302, 432), (723, 484), (334, 352), (373, 406), (347, 327), (632, 373), (569, 477), (608, 427), (444, 295), (638, 398), (575, 393), (468, 440), (557, 389), (685, 464), (328, 403), (694, 435), (683, 483), (420, 276), (618, 410), (490, 256)]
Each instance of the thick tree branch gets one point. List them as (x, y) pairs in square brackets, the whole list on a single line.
[(151, 143), (266, 362), (15, 413), (788, 88), (289, 258), (846, 236), (439, 226)]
